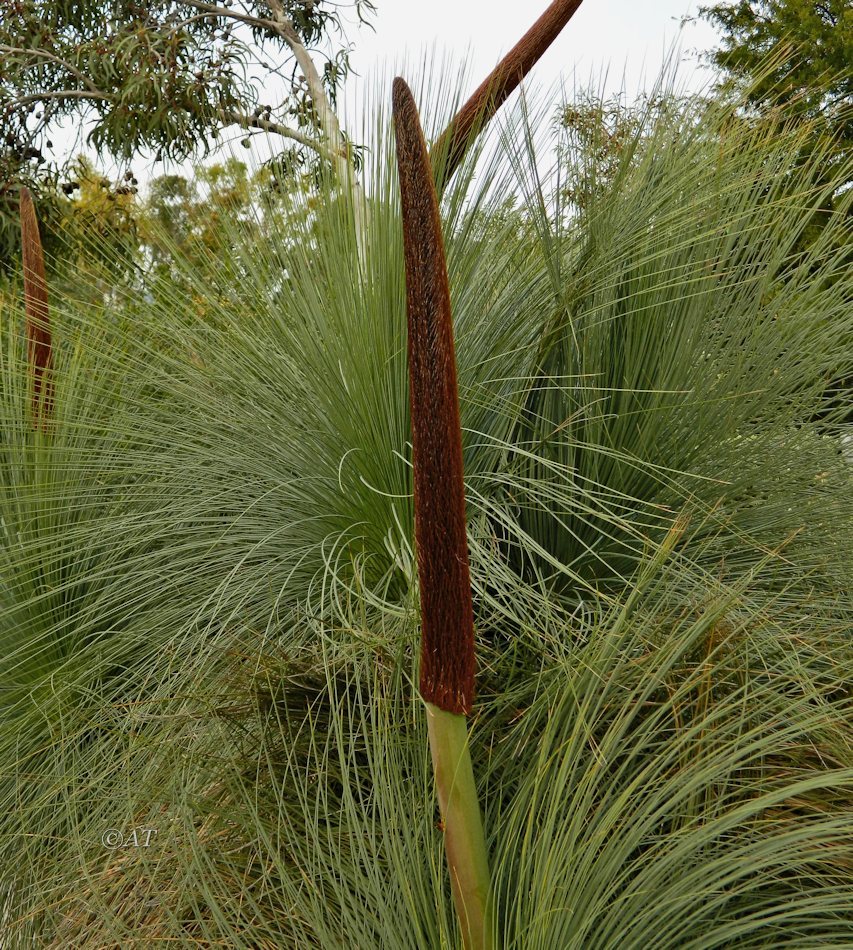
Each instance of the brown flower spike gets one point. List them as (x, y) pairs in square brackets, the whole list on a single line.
[(39, 345), (453, 143), (447, 639)]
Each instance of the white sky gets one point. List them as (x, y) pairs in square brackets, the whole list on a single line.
[(602, 36), (611, 45)]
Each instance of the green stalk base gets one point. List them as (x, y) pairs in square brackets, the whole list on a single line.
[(464, 840)]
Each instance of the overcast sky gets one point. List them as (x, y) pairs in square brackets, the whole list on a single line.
[(611, 45), (602, 36)]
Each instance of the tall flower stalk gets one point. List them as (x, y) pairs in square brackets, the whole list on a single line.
[(447, 638), (39, 343), (490, 95), (447, 644)]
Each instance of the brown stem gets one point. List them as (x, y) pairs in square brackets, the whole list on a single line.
[(39, 344), (475, 115), (447, 639)]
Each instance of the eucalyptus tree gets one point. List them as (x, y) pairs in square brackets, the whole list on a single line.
[(168, 77)]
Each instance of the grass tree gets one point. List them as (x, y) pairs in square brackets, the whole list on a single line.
[(39, 345), (208, 590)]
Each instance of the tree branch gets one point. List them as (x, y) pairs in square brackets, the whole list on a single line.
[(16, 50), (64, 94), (326, 117), (256, 122), (327, 120), (228, 14)]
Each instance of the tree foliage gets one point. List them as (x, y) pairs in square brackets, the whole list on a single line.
[(602, 137), (164, 75), (791, 53), (167, 77), (191, 225)]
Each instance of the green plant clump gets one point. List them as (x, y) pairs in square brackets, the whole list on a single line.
[(208, 601)]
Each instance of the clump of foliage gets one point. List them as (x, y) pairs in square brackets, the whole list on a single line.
[(166, 78), (794, 55), (163, 76), (208, 606), (194, 221), (88, 222)]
